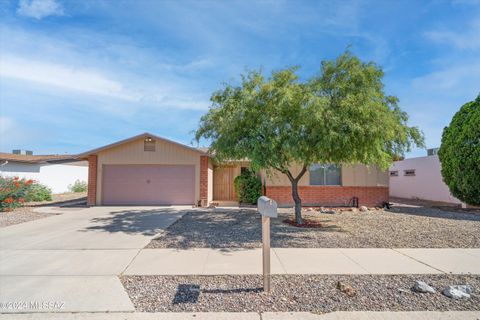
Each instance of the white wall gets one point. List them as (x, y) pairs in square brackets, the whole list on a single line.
[(56, 176), (427, 184)]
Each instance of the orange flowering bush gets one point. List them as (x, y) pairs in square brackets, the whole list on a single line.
[(12, 192)]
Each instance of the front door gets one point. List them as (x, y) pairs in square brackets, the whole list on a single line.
[(223, 187)]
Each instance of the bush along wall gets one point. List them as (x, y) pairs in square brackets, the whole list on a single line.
[(78, 186), (14, 192), (248, 187)]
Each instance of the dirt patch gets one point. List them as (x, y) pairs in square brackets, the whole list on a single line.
[(60, 199), (307, 223)]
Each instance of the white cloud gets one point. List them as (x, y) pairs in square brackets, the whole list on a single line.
[(39, 9), (93, 82), (95, 68), (62, 76), (468, 38), (459, 80)]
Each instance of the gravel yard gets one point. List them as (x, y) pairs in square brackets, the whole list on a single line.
[(402, 226), (312, 293), (25, 214), (20, 215)]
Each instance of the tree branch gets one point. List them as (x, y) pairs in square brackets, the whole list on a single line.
[(300, 175), (289, 175)]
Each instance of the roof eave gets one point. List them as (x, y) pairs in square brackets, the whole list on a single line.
[(84, 155)]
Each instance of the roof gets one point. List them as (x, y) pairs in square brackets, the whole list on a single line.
[(35, 158), (143, 135), (204, 149)]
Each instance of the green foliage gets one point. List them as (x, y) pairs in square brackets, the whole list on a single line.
[(248, 187), (460, 153), (12, 192), (341, 115), (38, 192), (78, 186)]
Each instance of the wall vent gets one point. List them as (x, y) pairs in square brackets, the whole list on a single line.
[(149, 144)]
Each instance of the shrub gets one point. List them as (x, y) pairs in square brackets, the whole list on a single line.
[(38, 192), (13, 192), (248, 187), (78, 186), (460, 153)]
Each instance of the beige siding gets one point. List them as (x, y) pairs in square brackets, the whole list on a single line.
[(352, 175), (359, 175), (133, 153), (275, 178)]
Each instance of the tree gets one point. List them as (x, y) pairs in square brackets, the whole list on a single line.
[(339, 116), (460, 153)]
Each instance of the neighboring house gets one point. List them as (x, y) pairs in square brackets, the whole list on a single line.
[(55, 171), (150, 170), (420, 178)]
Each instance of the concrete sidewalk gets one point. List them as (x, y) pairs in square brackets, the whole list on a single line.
[(305, 261), (355, 315)]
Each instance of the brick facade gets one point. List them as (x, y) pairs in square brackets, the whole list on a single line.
[(92, 180), (329, 195), (204, 180)]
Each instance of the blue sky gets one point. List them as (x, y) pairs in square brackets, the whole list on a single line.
[(75, 75)]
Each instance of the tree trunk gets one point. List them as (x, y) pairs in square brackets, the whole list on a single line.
[(295, 196), (298, 203)]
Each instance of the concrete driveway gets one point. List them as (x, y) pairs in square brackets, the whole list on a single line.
[(70, 262)]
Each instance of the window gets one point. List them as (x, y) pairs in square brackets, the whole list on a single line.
[(325, 175), (409, 172), (149, 144), (393, 173)]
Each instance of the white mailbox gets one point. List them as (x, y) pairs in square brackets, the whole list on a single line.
[(267, 207)]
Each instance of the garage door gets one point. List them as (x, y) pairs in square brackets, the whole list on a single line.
[(148, 184)]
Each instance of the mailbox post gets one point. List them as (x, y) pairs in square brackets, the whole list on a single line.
[(268, 209)]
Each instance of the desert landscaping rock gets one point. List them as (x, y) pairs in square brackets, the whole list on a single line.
[(458, 291), (310, 293), (21, 215), (346, 288), (422, 287), (408, 227), (363, 209)]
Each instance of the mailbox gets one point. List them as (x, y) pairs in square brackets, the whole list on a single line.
[(267, 207)]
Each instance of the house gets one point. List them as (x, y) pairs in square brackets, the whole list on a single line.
[(151, 170), (420, 178), (55, 171)]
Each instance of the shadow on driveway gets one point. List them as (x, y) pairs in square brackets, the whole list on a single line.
[(147, 222)]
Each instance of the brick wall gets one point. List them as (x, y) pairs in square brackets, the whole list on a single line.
[(204, 180), (92, 180), (329, 195)]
